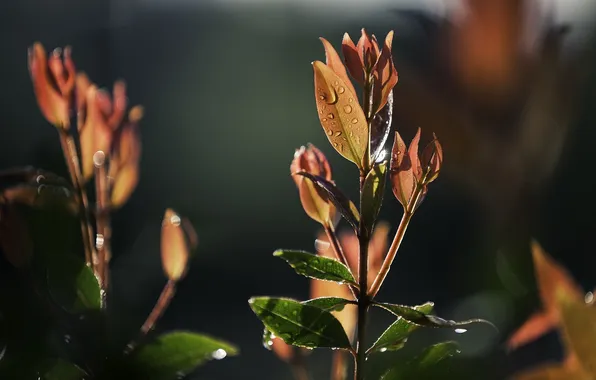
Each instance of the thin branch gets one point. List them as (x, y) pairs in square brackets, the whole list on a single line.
[(71, 157), (102, 219)]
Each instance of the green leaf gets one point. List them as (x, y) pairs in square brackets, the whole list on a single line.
[(328, 303), (72, 284), (396, 335), (178, 353), (315, 266), (422, 364), (299, 324), (62, 370), (413, 315), (372, 194), (345, 206)]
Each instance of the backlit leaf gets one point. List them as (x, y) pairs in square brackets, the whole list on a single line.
[(179, 352), (424, 363), (299, 324), (315, 266), (328, 303), (414, 315), (380, 127), (396, 335)]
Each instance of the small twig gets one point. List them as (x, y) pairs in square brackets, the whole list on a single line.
[(339, 253), (71, 157), (160, 306), (395, 244), (339, 368), (102, 220)]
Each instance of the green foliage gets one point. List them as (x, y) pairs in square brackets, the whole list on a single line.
[(372, 194), (61, 370), (178, 352), (395, 336), (314, 266), (300, 324), (421, 366)]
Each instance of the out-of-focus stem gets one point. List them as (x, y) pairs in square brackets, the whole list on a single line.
[(339, 369), (298, 366), (102, 220), (71, 157), (339, 253)]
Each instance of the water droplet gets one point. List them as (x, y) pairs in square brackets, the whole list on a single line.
[(99, 240), (351, 134), (460, 331), (347, 108), (341, 90), (336, 83), (330, 132), (321, 245), (350, 100), (331, 116), (589, 298), (335, 145), (66, 338), (338, 133), (332, 99), (322, 97), (354, 121), (219, 354), (324, 119), (175, 220), (295, 313), (383, 349)]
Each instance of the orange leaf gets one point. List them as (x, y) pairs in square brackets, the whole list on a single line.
[(334, 63), (340, 115), (385, 75), (352, 59)]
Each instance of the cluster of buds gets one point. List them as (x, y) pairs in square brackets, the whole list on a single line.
[(103, 123)]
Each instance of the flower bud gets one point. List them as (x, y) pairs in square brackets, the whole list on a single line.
[(52, 86), (175, 247), (316, 204)]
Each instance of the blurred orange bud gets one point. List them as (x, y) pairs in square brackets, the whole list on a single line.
[(316, 204), (103, 116), (126, 156), (14, 237), (177, 239), (408, 172), (53, 83)]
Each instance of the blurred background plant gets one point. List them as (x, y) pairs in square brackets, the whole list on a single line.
[(235, 71), (56, 320)]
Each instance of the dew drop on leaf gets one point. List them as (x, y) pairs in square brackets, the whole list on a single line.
[(460, 331), (338, 133), (354, 121), (331, 116), (341, 90), (330, 132), (347, 108), (221, 353)]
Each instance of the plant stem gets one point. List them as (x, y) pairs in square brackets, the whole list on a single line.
[(339, 253), (395, 244), (160, 306), (102, 220), (71, 157), (363, 303)]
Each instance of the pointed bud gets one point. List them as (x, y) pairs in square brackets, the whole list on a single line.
[(124, 165), (352, 59), (53, 102), (175, 248), (385, 75), (368, 49), (401, 172), (431, 160), (316, 204), (95, 134)]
